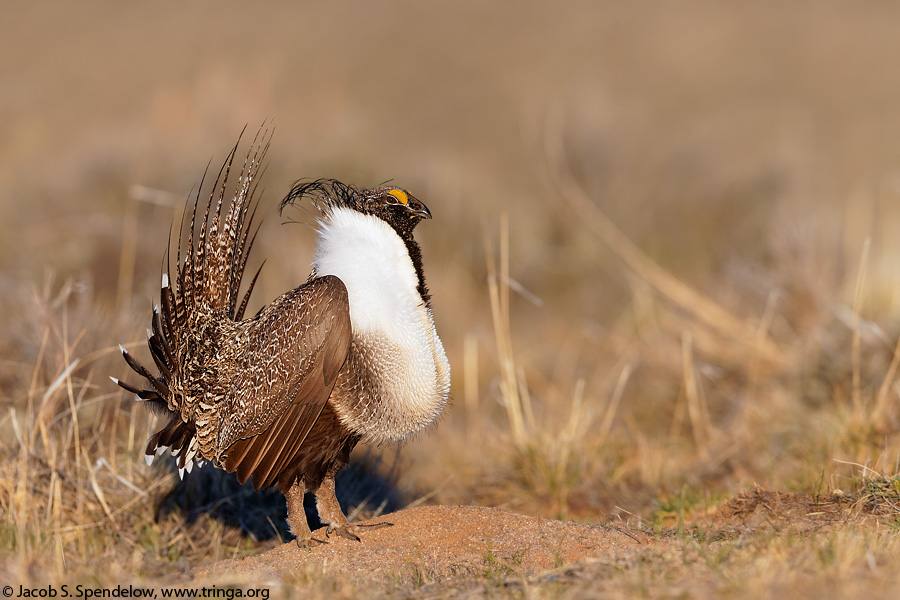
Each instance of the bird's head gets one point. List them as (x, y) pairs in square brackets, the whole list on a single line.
[(396, 206)]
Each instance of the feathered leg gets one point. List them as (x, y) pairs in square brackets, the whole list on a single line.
[(331, 513), (296, 516)]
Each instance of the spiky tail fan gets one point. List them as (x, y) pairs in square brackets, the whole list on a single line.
[(207, 283)]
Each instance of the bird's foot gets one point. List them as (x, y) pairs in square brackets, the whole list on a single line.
[(309, 543), (347, 531)]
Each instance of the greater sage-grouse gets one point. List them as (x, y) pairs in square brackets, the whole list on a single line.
[(283, 397)]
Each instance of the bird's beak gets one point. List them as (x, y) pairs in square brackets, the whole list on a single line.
[(418, 209)]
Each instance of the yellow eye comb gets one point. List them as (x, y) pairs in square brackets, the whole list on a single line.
[(400, 195)]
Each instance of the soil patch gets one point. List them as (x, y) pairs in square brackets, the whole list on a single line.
[(760, 509), (434, 542)]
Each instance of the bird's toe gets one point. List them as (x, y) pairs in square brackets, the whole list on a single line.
[(309, 543), (349, 532)]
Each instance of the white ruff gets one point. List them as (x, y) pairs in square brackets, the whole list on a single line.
[(390, 320), (372, 261)]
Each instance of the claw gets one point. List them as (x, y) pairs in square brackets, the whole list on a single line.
[(346, 531), (308, 543), (343, 532)]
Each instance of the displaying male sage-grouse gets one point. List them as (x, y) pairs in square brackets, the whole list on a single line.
[(283, 397)]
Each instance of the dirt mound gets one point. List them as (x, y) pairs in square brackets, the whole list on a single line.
[(760, 509), (434, 542)]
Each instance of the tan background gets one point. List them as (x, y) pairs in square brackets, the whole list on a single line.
[(747, 149)]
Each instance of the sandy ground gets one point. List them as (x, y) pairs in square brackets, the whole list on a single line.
[(436, 542)]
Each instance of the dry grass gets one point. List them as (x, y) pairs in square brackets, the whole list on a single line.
[(663, 265)]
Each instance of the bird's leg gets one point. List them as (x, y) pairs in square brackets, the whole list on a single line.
[(331, 513), (296, 516)]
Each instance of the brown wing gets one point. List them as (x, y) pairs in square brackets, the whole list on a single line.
[(283, 372)]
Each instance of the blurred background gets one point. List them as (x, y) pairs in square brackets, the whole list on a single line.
[(685, 212), (710, 133)]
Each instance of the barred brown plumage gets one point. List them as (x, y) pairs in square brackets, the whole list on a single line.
[(283, 397)]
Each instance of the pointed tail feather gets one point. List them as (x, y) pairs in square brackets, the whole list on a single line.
[(219, 241), (208, 273)]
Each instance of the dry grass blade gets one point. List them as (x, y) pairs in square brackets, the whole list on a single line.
[(470, 393), (696, 410), (879, 495), (881, 399), (98, 492), (855, 322), (702, 308), (499, 297), (613, 406)]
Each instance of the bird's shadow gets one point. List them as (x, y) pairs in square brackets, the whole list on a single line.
[(364, 487)]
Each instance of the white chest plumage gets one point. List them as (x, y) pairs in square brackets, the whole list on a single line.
[(393, 329)]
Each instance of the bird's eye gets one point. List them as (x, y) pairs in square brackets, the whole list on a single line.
[(400, 195)]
